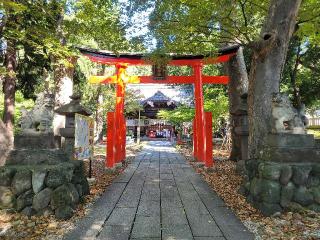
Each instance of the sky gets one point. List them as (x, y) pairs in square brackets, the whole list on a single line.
[(139, 27)]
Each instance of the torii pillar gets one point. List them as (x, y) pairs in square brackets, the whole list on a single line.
[(199, 115)]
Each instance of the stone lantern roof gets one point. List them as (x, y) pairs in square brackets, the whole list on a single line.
[(73, 107)]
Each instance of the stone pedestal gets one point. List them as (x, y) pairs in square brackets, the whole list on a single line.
[(38, 177), (287, 177), (68, 132), (43, 189), (241, 126)]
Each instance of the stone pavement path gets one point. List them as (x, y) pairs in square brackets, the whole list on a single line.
[(159, 197)]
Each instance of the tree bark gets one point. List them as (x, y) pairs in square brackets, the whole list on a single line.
[(269, 54), (238, 85), (63, 80), (9, 88)]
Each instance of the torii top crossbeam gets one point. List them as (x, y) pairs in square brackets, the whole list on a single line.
[(126, 59)]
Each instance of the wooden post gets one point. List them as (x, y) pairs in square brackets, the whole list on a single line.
[(110, 146), (199, 113), (209, 144), (195, 139), (120, 93), (124, 139)]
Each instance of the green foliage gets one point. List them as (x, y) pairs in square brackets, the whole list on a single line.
[(31, 28), (20, 102), (97, 20), (200, 26), (215, 101), (91, 93), (178, 116), (302, 72)]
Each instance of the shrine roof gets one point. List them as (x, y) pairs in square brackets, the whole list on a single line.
[(138, 57), (158, 97)]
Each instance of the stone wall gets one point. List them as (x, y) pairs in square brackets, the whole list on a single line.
[(43, 189), (275, 187)]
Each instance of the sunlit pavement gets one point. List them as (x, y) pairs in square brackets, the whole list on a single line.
[(159, 196)]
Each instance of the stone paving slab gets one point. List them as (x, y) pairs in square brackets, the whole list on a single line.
[(114, 233), (146, 227), (177, 232), (159, 197)]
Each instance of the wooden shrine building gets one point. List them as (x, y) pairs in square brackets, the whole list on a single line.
[(150, 125)]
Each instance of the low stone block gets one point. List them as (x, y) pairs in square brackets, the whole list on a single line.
[(291, 155), (303, 196), (270, 191), (316, 194), (63, 212), (313, 181), (316, 170), (46, 212), (287, 193), (6, 176), (291, 140), (267, 209), (38, 178), (286, 174), (21, 181), (36, 157), (252, 168), (24, 200), (301, 174), (58, 176), (255, 188), (269, 171), (7, 198), (28, 211), (42, 199), (64, 195)]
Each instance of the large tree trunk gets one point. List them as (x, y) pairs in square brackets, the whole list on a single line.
[(63, 80), (238, 85), (266, 69), (9, 88)]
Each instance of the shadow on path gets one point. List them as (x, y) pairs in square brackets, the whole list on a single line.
[(159, 196)]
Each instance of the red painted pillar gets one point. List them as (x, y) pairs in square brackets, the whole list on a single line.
[(209, 157), (124, 135), (199, 113), (110, 146), (195, 139), (120, 93)]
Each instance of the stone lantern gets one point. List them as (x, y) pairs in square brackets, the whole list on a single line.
[(68, 132), (241, 126)]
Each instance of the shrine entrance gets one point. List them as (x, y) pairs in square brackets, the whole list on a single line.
[(116, 123)]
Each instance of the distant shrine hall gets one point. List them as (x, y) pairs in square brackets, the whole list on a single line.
[(150, 126)]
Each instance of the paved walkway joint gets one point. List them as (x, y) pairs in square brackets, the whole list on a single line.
[(159, 196)]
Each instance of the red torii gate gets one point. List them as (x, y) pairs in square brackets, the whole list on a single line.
[(116, 124)]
